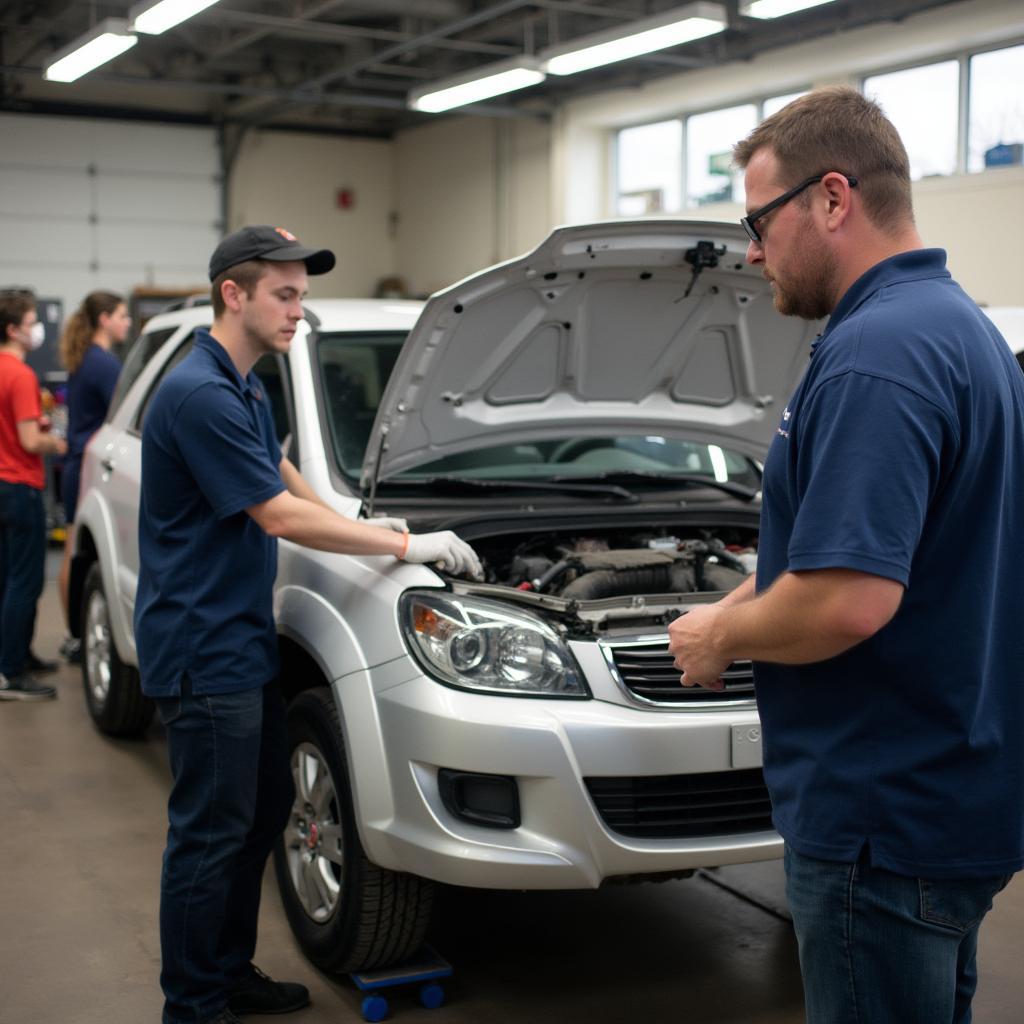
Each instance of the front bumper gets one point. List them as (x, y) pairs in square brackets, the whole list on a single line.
[(550, 747)]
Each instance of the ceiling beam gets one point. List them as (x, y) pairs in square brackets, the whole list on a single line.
[(315, 86), (332, 31)]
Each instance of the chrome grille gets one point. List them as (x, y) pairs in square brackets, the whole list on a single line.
[(646, 670), (684, 806)]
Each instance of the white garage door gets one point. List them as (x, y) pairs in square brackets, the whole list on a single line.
[(90, 204)]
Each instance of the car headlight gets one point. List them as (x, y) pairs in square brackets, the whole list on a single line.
[(476, 644)]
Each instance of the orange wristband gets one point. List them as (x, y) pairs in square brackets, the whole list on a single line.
[(405, 544)]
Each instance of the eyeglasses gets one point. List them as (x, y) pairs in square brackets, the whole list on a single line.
[(751, 219)]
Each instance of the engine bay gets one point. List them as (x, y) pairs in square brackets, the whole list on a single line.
[(594, 580)]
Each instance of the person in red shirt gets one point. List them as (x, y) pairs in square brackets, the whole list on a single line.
[(24, 439)]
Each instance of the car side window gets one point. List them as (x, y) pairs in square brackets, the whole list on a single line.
[(272, 371), (354, 371), (182, 350), (139, 355)]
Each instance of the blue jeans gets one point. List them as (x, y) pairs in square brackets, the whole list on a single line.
[(881, 948), (22, 557), (232, 796)]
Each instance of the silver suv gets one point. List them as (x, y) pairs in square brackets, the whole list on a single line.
[(590, 418)]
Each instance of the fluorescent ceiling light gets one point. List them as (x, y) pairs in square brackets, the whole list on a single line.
[(777, 8), (105, 41), (670, 28), (156, 16), (479, 84)]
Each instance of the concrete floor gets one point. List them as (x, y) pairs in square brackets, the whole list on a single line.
[(83, 829)]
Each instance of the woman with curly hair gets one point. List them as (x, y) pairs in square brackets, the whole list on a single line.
[(100, 322)]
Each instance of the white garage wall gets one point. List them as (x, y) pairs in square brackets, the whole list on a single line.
[(966, 214), (291, 180), (471, 192), (88, 204)]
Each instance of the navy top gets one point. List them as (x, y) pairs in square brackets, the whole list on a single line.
[(206, 573), (900, 455), (90, 389)]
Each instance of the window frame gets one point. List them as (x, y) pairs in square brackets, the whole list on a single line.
[(682, 117), (963, 58), (961, 55)]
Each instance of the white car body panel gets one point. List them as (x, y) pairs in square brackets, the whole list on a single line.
[(1010, 322), (586, 336)]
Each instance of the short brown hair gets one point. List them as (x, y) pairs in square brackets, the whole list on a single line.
[(14, 305), (838, 129), (246, 275)]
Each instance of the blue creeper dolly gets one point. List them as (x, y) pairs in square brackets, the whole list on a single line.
[(425, 967)]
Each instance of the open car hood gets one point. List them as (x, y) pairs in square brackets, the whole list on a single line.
[(597, 332)]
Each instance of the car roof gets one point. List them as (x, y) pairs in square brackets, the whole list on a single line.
[(332, 314), (1010, 321)]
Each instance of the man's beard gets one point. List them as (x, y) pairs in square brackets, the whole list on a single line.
[(810, 291)]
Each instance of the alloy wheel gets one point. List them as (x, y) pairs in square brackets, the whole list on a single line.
[(313, 836), (97, 648)]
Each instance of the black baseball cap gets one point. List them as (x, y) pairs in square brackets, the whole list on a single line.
[(263, 242)]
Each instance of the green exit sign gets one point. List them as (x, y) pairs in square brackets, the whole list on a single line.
[(720, 163)]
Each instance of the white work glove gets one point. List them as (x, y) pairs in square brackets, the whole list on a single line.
[(389, 523), (444, 550)]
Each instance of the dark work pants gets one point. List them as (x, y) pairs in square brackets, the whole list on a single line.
[(22, 557), (231, 798)]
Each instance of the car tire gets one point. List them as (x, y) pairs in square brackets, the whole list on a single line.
[(347, 913), (113, 693)]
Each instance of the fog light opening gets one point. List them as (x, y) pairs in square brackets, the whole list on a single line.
[(488, 800)]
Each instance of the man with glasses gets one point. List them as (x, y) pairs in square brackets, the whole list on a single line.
[(884, 621)]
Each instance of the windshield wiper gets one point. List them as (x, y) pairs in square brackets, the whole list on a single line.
[(566, 486), (691, 479)]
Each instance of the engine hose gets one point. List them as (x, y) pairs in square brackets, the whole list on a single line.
[(650, 579), (551, 574), (720, 578)]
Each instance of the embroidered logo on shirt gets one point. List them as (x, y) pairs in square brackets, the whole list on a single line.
[(785, 419)]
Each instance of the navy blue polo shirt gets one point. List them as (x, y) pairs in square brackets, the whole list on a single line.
[(901, 454), (206, 574), (90, 389)]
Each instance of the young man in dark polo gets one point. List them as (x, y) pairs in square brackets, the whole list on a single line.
[(216, 495)]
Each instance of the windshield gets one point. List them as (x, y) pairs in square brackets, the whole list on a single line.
[(354, 371)]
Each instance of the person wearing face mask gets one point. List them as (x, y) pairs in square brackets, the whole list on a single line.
[(101, 322), (24, 440)]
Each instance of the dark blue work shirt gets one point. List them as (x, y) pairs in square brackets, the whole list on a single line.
[(90, 389), (902, 455), (204, 600)]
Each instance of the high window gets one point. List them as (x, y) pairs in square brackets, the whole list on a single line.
[(922, 103), (996, 109), (649, 169)]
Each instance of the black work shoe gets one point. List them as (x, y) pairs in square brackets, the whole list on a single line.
[(71, 650), (24, 687), (224, 1017), (256, 993), (33, 663)]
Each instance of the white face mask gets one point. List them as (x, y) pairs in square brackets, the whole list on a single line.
[(36, 336)]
